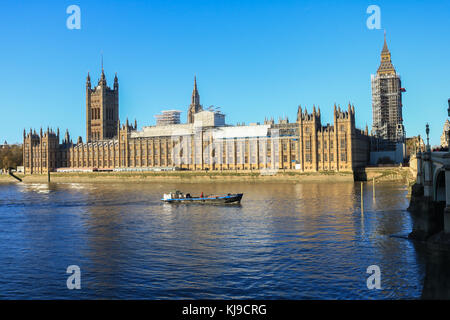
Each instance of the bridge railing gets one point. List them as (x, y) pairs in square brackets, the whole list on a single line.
[(440, 157)]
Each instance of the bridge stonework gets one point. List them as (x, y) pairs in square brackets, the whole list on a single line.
[(430, 198), (447, 197)]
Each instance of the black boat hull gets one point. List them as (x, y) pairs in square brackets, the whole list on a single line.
[(231, 199)]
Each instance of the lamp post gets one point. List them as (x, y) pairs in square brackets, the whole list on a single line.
[(427, 130), (448, 131)]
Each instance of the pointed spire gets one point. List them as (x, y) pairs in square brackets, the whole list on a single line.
[(67, 136), (386, 66), (88, 81), (385, 47), (102, 78), (195, 101), (116, 82), (299, 112), (195, 106), (194, 90)]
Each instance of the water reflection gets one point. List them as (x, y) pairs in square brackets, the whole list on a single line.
[(296, 241), (43, 188)]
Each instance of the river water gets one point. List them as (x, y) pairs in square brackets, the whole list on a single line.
[(285, 241)]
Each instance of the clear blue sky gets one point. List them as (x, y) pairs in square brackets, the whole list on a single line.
[(252, 58)]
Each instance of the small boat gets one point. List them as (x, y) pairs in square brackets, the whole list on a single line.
[(179, 197)]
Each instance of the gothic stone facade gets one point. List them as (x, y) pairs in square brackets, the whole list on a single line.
[(204, 143), (102, 109)]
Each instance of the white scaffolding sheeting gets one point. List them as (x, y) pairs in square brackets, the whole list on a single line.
[(241, 132), (168, 117)]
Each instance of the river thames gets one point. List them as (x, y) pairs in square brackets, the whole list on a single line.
[(285, 241)]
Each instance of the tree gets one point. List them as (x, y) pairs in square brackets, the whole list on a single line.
[(11, 156)]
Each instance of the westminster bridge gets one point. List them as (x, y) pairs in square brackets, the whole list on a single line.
[(430, 197)]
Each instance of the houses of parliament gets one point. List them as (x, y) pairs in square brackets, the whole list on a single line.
[(204, 142)]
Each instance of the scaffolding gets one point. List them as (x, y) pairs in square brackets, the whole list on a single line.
[(168, 117), (387, 107)]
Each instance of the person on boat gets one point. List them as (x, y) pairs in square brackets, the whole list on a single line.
[(201, 196)]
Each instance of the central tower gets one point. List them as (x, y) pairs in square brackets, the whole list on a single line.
[(102, 109), (195, 105)]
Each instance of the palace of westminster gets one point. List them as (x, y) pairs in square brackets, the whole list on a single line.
[(204, 142)]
